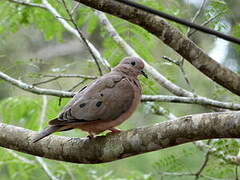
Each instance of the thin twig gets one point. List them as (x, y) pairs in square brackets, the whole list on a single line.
[(176, 62), (220, 154), (55, 77), (162, 112), (43, 111), (47, 6), (41, 121), (74, 8), (70, 76), (180, 65), (192, 100), (73, 31), (197, 15), (204, 163), (236, 172), (207, 22), (159, 98), (76, 85), (176, 173), (46, 81), (69, 171), (21, 158), (33, 89), (83, 38), (45, 168), (66, 19), (28, 4), (182, 59), (212, 178)]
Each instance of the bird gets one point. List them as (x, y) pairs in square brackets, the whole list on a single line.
[(103, 104)]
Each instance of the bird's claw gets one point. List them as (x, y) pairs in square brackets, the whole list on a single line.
[(114, 131)]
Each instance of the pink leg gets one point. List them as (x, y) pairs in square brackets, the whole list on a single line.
[(90, 136), (115, 130)]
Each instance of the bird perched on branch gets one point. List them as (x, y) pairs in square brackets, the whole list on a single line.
[(104, 104)]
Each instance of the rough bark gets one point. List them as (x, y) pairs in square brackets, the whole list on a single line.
[(173, 38), (117, 146)]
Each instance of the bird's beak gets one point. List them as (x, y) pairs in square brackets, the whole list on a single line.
[(144, 74)]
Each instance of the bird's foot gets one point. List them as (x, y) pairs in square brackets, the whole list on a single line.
[(114, 130), (90, 136)]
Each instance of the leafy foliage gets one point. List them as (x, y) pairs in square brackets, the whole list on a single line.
[(23, 109)]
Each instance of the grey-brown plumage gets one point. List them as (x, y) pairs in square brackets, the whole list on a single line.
[(103, 104)]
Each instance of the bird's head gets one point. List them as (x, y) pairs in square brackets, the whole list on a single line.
[(132, 66)]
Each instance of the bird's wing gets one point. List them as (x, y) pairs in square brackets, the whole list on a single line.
[(105, 99)]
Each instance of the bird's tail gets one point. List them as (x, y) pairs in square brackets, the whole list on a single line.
[(46, 132)]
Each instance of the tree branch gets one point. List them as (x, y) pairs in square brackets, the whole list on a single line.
[(45, 168), (207, 22), (125, 144), (160, 98), (73, 31), (220, 154), (82, 37), (55, 77), (47, 6), (173, 38), (21, 158), (28, 3), (33, 89), (203, 165), (70, 76), (191, 100), (180, 21)]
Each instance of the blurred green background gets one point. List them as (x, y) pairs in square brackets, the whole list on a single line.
[(33, 43)]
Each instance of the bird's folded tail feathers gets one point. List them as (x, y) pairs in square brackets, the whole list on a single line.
[(46, 132)]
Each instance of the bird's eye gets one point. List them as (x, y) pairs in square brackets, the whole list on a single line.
[(133, 63)]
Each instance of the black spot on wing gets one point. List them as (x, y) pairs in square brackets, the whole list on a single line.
[(135, 83), (99, 103), (82, 105), (68, 114), (101, 94), (82, 88)]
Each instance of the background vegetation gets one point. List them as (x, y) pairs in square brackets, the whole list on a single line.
[(33, 44)]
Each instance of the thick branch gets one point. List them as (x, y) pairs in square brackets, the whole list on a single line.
[(129, 143), (173, 38)]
